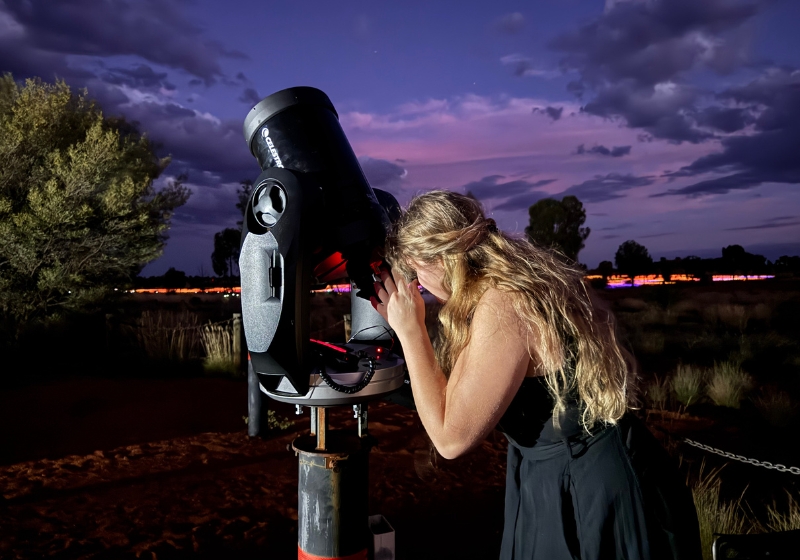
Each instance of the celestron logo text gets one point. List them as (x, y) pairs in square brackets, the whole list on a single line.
[(271, 146)]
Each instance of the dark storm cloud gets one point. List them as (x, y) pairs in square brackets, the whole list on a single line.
[(651, 42), (38, 36), (725, 119), (552, 112), (616, 151), (197, 143), (490, 187), (783, 221), (663, 111), (157, 31), (521, 66), (382, 174), (518, 194), (657, 235), (627, 55), (510, 23), (612, 228), (141, 76), (22, 61), (521, 201), (607, 187), (250, 97), (770, 154)]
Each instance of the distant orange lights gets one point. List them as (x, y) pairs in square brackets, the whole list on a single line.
[(234, 290), (614, 281), (740, 277), (333, 289), (625, 281)]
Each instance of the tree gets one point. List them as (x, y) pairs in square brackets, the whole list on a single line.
[(242, 198), (633, 258), (225, 258), (785, 263), (79, 214), (558, 225), (606, 268), (174, 278), (736, 260)]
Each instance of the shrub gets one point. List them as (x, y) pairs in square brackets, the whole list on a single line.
[(788, 520), (728, 384), (166, 336), (649, 342), (79, 211), (275, 422), (715, 515), (775, 406), (687, 383), (657, 393), (733, 315), (744, 353), (218, 345)]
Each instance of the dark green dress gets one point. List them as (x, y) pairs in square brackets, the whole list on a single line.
[(613, 494)]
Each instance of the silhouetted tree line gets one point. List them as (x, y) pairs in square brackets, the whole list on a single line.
[(634, 259), (175, 279)]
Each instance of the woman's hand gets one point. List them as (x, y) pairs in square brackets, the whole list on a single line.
[(400, 303)]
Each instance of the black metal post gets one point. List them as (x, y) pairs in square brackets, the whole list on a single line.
[(333, 497)]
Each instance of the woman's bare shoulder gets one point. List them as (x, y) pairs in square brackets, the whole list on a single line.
[(495, 310)]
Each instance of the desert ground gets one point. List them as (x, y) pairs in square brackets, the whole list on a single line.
[(156, 463)]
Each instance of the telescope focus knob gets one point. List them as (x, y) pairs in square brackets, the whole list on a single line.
[(269, 203)]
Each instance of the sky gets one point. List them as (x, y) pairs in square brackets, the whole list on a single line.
[(675, 122)]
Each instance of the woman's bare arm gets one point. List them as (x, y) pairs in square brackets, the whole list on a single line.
[(459, 412)]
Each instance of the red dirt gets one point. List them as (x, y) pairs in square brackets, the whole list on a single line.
[(164, 469)]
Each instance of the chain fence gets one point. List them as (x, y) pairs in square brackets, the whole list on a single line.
[(741, 458), (728, 455)]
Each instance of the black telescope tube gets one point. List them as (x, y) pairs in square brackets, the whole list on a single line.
[(298, 129)]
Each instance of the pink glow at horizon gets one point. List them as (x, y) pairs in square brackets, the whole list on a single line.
[(448, 143), (445, 144)]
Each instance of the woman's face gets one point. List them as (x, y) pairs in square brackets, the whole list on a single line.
[(430, 277)]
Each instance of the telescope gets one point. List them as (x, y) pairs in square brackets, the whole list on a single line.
[(313, 219)]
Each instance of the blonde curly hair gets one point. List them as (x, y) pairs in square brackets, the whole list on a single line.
[(573, 336)]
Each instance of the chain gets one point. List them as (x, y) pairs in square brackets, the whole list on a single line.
[(766, 464)]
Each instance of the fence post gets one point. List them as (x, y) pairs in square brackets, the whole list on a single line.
[(237, 341), (254, 402)]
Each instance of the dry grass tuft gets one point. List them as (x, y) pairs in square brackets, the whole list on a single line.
[(657, 393), (714, 514), (728, 384), (218, 345), (649, 342), (166, 336), (733, 315), (788, 520), (775, 406), (687, 384)]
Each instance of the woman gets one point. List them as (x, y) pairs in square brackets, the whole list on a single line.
[(522, 347)]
